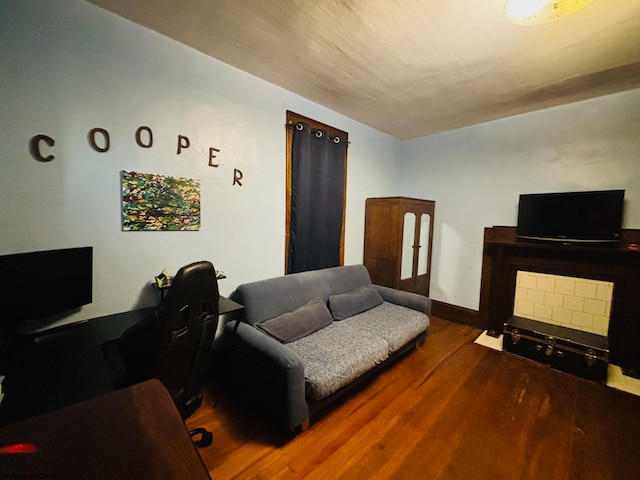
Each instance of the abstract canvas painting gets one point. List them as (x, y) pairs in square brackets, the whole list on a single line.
[(158, 202)]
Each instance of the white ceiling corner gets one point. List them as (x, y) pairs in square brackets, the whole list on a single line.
[(409, 68)]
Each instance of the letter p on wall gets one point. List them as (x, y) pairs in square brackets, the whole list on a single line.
[(183, 142)]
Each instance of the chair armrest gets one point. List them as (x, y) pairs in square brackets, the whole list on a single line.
[(271, 374), (411, 300)]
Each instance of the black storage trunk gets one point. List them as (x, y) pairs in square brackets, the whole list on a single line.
[(572, 351)]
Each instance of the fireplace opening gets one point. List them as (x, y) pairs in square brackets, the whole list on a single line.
[(571, 302), (562, 322)]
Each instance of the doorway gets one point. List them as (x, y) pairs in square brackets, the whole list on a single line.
[(316, 194)]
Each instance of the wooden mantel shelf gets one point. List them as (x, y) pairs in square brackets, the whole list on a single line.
[(504, 255), (564, 249)]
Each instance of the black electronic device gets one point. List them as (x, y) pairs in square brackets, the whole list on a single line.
[(39, 285), (587, 218)]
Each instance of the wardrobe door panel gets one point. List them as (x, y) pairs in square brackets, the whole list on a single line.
[(408, 232), (423, 254)]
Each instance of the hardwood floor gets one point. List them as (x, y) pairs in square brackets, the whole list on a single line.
[(451, 409)]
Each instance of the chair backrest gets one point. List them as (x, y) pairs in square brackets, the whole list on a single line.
[(174, 345)]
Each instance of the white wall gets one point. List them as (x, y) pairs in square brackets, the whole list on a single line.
[(68, 67), (476, 174)]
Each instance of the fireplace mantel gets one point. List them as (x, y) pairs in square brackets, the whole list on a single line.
[(504, 255)]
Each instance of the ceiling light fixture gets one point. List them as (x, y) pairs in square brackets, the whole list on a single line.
[(537, 12)]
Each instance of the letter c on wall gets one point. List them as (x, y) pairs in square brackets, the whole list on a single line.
[(34, 147)]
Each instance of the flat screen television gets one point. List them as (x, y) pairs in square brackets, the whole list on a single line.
[(37, 285), (587, 218)]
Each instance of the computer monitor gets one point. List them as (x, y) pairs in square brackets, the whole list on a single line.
[(38, 285)]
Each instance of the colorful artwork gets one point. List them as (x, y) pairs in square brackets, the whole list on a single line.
[(157, 202)]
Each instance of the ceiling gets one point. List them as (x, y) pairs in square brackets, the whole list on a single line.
[(409, 68)]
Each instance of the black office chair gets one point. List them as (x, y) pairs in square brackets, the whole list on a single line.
[(173, 344)]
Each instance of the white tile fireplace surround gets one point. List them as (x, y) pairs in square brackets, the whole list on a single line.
[(578, 303)]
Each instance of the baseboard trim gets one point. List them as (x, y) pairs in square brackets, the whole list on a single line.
[(457, 314)]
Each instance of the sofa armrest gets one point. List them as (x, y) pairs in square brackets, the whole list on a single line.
[(270, 373), (411, 300)]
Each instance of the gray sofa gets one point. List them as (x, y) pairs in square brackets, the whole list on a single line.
[(309, 337)]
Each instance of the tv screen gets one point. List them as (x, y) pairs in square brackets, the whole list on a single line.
[(574, 217), (36, 285)]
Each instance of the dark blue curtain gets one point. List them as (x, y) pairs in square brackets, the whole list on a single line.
[(317, 199)]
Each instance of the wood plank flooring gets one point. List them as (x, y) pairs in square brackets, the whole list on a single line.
[(449, 410)]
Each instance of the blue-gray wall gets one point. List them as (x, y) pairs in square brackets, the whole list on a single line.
[(477, 173), (68, 67)]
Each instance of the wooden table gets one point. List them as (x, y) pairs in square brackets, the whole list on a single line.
[(135, 433)]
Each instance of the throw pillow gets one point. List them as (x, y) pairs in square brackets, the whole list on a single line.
[(360, 300), (303, 321)]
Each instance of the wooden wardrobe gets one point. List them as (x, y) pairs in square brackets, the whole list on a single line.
[(398, 237)]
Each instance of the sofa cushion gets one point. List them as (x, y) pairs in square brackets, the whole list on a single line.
[(336, 355), (396, 324), (357, 301), (303, 321), (269, 298)]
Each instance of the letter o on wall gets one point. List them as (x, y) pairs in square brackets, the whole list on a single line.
[(92, 139), (139, 137)]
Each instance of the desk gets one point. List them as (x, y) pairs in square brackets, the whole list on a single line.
[(53, 370)]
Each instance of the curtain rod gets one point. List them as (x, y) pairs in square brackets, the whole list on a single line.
[(300, 126)]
